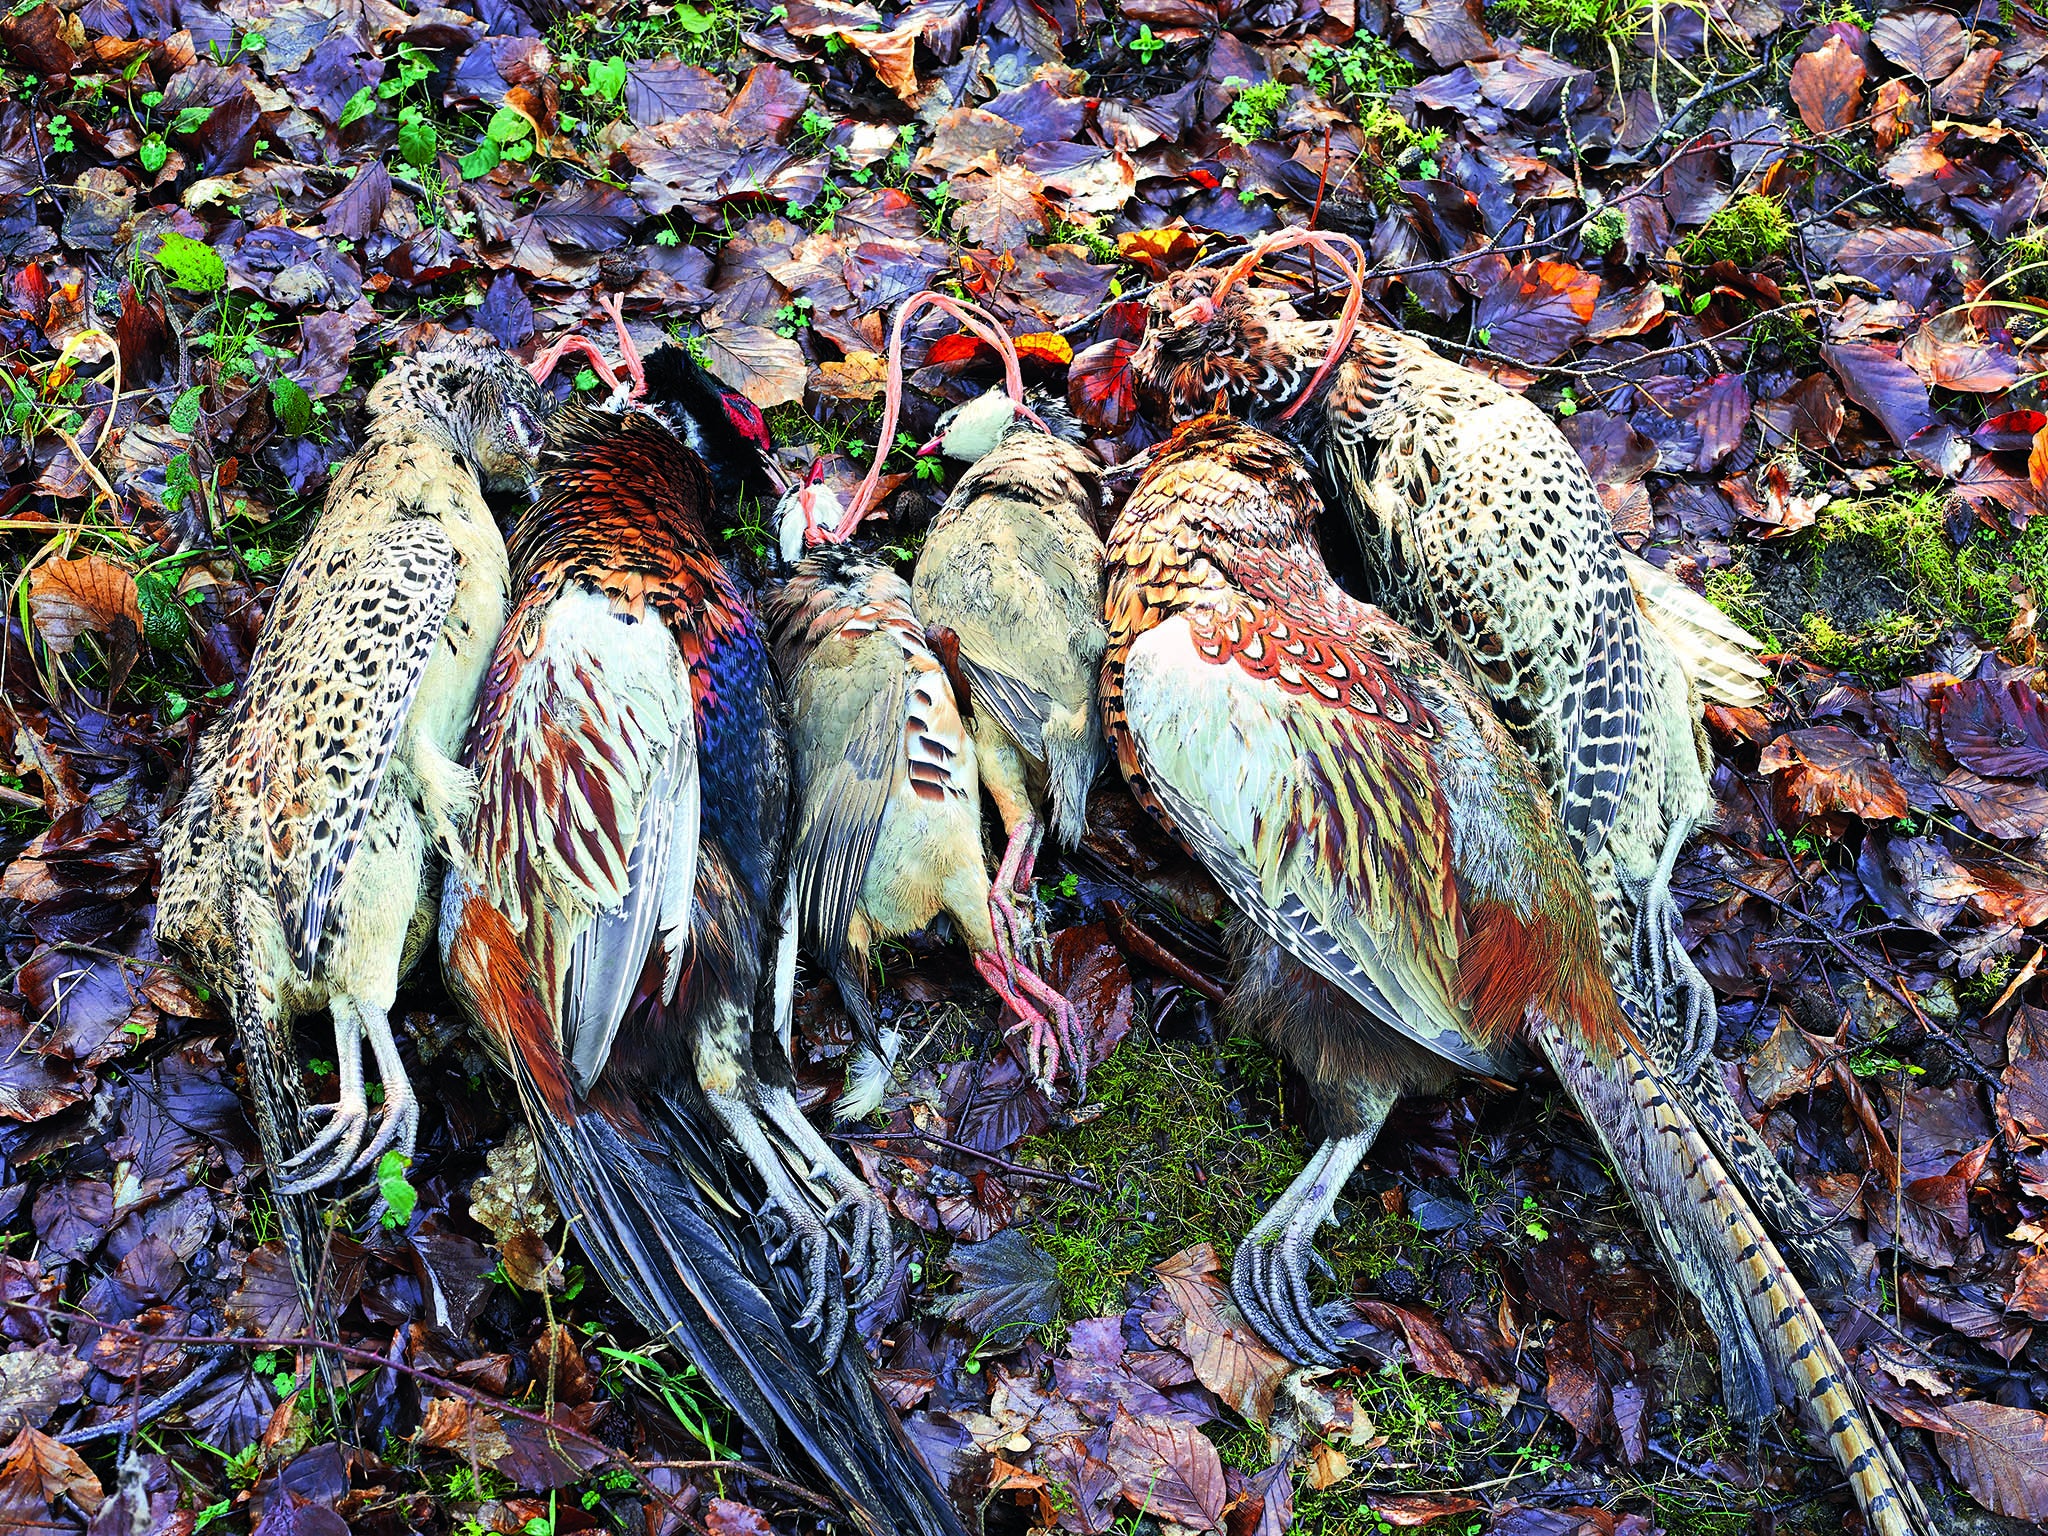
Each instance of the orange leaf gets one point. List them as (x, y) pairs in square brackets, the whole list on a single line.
[(1048, 347), (2037, 460)]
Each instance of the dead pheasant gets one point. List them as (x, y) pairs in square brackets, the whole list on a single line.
[(1012, 568), (611, 930), (1410, 908), (888, 820), (301, 868), (1482, 531)]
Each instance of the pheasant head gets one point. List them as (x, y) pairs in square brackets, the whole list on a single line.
[(479, 397), (1213, 342)]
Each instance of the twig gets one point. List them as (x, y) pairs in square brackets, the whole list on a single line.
[(1711, 90), (1956, 1048), (156, 1407), (1073, 1180)]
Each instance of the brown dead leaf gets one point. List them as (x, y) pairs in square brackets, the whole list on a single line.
[(54, 1467), (2030, 1288), (453, 1425), (85, 595), (1428, 1345), (859, 375), (1228, 1357), (2001, 1455), (1827, 86), (967, 138), (1421, 1508), (1001, 209), (1169, 1470), (765, 367), (1825, 769)]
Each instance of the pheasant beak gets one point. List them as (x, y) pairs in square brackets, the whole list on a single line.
[(776, 477), (932, 447), (1199, 312)]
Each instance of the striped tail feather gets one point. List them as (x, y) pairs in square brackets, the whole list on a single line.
[(1718, 654), (1779, 1349), (660, 1213)]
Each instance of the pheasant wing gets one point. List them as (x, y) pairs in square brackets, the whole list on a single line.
[(1270, 784), (588, 808), (844, 807), (326, 710)]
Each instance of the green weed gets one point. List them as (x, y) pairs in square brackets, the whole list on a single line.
[(1746, 231)]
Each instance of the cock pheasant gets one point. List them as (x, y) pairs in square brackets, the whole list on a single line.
[(609, 936), (1410, 908), (888, 821), (1482, 531), (301, 868)]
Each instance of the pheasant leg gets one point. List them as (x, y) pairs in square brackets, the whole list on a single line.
[(1042, 1051), (327, 1157), (869, 1245), (400, 1117), (1269, 1277), (629, 354), (1011, 932), (804, 1235), (1668, 971), (544, 365)]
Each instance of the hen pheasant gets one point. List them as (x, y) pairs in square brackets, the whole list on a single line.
[(888, 797), (301, 868), (610, 930), (1012, 568), (1482, 531), (1409, 906)]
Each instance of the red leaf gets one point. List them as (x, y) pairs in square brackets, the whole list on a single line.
[(1537, 311), (1100, 387), (1996, 729)]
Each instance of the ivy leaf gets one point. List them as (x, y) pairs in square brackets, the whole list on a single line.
[(192, 264), (606, 79), (191, 119), (693, 21), (153, 152), (417, 142), (292, 406), (507, 125), (185, 413), (163, 614)]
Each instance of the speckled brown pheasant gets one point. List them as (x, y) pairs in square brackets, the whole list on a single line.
[(300, 870)]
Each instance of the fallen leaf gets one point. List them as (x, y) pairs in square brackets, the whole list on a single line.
[(1001, 209), (1826, 769), (1927, 43), (2001, 1455), (87, 595), (766, 367), (1827, 86), (1999, 729), (1168, 1470), (1228, 1357), (1005, 1282)]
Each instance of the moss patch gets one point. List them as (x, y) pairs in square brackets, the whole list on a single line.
[(1168, 1142)]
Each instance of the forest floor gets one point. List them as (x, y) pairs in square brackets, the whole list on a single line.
[(1777, 269)]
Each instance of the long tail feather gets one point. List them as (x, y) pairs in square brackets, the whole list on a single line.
[(1718, 654), (280, 1108), (661, 1214), (1716, 1243)]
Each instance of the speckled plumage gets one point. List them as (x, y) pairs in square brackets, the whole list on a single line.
[(300, 868), (1012, 564), (1483, 533), (1410, 902)]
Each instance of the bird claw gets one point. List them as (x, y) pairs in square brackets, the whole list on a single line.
[(870, 1246), (824, 1317), (1269, 1280)]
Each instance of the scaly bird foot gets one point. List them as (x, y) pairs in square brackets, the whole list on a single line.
[(1269, 1280), (1269, 1276), (805, 1234)]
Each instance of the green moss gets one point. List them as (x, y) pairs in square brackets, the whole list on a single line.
[(1601, 233), (1746, 231), (1876, 581), (1169, 1144), (1256, 111), (1593, 19)]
